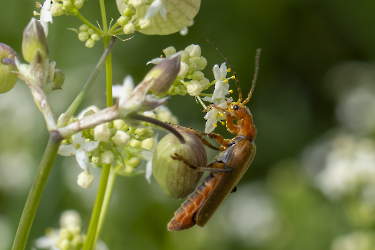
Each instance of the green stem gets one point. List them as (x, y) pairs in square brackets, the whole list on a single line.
[(100, 32), (107, 199), (91, 235), (64, 119), (108, 73), (36, 191), (104, 17)]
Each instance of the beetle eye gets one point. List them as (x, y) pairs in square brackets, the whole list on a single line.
[(235, 107)]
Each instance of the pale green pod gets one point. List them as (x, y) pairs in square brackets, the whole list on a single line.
[(7, 79), (173, 176)]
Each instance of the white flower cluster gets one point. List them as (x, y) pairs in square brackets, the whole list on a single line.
[(68, 236), (348, 166), (190, 79), (156, 17), (115, 143)]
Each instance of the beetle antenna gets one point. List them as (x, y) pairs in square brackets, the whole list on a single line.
[(231, 67), (257, 56)]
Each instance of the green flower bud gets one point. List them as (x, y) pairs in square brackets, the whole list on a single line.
[(57, 9), (83, 36), (63, 244), (120, 125), (83, 27), (121, 138), (184, 56), (85, 180), (91, 31), (134, 143), (58, 79), (197, 75), (174, 177), (90, 43), (163, 74), (133, 162), (193, 50), (34, 39), (129, 28), (7, 57), (78, 3), (201, 63), (68, 5), (169, 51), (95, 37), (123, 20), (194, 87), (102, 133), (143, 23)]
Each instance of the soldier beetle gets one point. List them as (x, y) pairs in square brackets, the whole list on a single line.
[(228, 166)]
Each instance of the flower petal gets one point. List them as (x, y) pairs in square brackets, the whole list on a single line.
[(66, 150), (148, 171), (90, 146), (82, 159)]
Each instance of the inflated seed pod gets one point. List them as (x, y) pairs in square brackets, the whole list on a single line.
[(173, 176), (7, 79)]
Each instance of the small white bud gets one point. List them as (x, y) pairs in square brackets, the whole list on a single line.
[(123, 20), (201, 63), (107, 157), (134, 143), (184, 68), (119, 124), (194, 88), (83, 36), (129, 28), (148, 143), (204, 82), (197, 75), (193, 50), (169, 51), (95, 37), (149, 114), (85, 180), (64, 244), (102, 133), (64, 233), (70, 217), (144, 23), (121, 138)]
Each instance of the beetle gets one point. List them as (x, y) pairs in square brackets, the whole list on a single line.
[(228, 167)]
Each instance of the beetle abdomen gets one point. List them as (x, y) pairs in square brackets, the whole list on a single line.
[(184, 216)]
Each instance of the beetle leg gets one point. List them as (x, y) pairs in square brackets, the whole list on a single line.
[(198, 134), (217, 167)]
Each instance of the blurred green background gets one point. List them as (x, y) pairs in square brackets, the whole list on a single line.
[(310, 185)]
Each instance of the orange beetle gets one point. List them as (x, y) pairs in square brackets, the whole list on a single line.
[(228, 167)]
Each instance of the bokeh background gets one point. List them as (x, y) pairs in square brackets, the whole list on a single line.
[(312, 182)]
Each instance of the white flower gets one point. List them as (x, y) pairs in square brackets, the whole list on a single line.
[(155, 7), (123, 91), (213, 116), (79, 149), (221, 85), (46, 16)]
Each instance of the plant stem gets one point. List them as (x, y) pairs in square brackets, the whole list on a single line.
[(89, 24), (108, 73), (64, 119), (91, 236), (36, 191), (107, 199)]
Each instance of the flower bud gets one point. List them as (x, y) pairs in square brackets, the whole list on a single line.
[(120, 124), (121, 138), (173, 176), (169, 51), (193, 87), (70, 217), (144, 23), (95, 37), (57, 9), (132, 163), (78, 3), (68, 5), (184, 68), (85, 180), (83, 36), (163, 74), (148, 143), (83, 27), (107, 157), (58, 79), (102, 133), (90, 43), (129, 28), (7, 79), (34, 39), (193, 50)]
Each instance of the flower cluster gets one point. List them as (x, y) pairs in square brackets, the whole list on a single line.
[(116, 143), (68, 236), (156, 16), (190, 79)]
